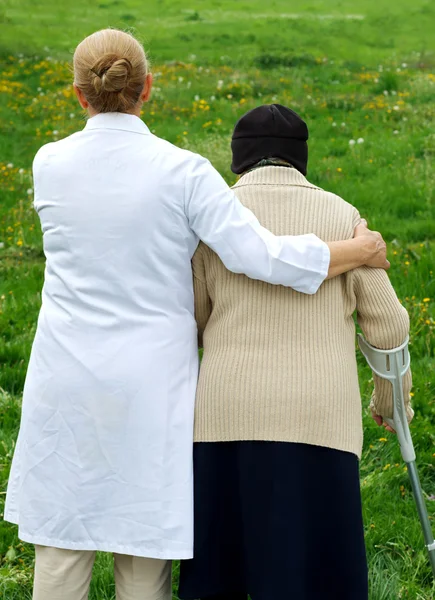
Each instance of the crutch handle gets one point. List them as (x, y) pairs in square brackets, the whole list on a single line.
[(392, 365)]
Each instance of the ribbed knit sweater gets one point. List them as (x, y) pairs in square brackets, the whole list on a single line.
[(279, 365)]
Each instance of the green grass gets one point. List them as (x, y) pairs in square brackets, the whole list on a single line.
[(354, 69)]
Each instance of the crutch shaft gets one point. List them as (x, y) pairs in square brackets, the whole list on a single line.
[(392, 365), (422, 512)]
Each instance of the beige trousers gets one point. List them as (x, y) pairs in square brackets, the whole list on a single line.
[(66, 575)]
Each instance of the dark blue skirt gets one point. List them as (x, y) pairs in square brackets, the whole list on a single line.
[(277, 521)]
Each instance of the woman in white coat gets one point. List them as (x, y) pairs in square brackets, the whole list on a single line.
[(104, 455)]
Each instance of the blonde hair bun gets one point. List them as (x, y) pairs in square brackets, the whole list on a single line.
[(110, 68), (112, 74)]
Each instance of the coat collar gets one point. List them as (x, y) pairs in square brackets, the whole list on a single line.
[(274, 176), (116, 120)]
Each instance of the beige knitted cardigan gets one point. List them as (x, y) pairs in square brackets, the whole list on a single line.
[(279, 365)]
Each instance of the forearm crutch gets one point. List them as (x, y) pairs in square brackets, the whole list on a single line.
[(392, 365)]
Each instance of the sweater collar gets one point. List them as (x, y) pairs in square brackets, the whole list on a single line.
[(274, 176), (116, 120)]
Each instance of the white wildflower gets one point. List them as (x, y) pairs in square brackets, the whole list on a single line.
[(352, 142), (55, 132), (395, 132), (212, 98), (21, 171), (10, 165), (29, 191), (2, 245), (396, 107), (334, 124), (385, 92), (343, 124), (180, 79), (404, 65), (196, 98), (360, 140), (71, 115)]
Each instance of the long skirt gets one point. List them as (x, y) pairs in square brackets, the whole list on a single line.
[(277, 521)]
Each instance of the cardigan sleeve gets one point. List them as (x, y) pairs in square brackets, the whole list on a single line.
[(203, 306), (385, 324), (218, 218)]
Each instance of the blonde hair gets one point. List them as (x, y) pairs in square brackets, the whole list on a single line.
[(110, 68)]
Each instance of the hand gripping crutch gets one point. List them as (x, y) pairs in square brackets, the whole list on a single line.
[(392, 365)]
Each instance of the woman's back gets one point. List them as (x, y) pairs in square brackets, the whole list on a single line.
[(118, 327), (110, 198), (279, 365)]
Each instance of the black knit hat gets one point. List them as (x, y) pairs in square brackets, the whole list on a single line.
[(270, 131)]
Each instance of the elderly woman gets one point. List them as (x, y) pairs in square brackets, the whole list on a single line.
[(278, 426), (103, 458)]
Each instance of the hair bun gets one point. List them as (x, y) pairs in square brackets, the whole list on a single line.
[(111, 69), (112, 74)]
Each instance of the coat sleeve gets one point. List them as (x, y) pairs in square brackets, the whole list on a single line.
[(39, 162), (385, 324), (219, 219), (203, 306)]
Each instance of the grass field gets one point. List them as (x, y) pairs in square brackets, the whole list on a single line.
[(361, 70)]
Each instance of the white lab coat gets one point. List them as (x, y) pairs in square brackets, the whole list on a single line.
[(104, 455)]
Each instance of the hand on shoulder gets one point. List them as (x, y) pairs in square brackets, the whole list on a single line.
[(373, 246)]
